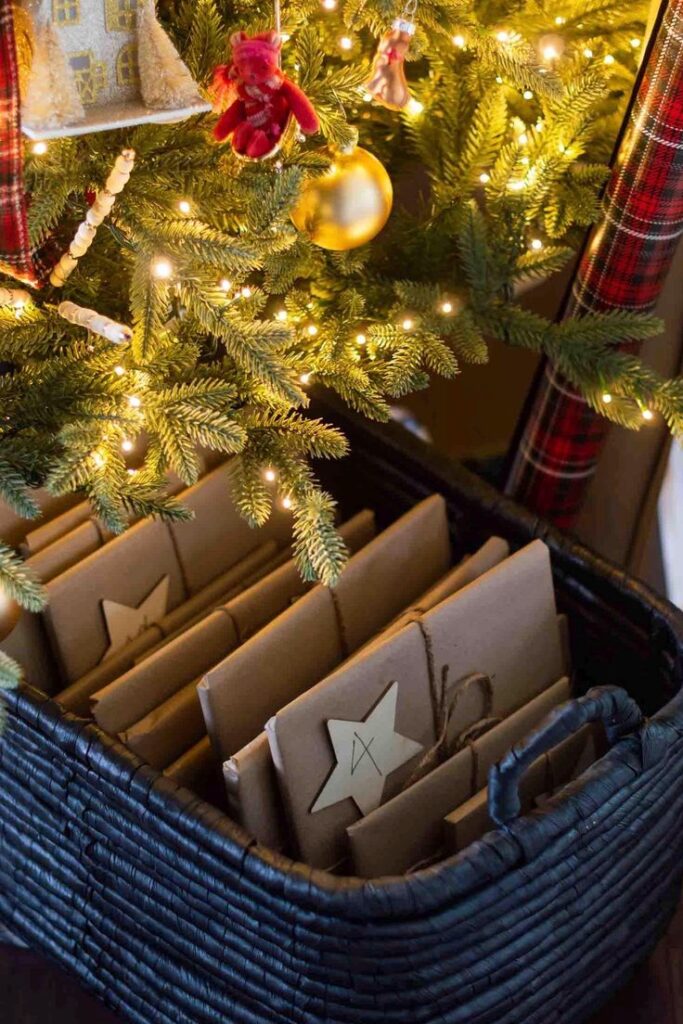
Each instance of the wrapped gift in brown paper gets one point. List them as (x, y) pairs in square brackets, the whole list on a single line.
[(77, 696), (253, 796), (169, 667), (169, 730), (126, 572), (56, 558), (407, 831), (503, 625), (310, 639), (545, 777), (55, 529), (218, 536)]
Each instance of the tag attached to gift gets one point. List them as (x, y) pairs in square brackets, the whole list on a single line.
[(124, 623), (366, 752)]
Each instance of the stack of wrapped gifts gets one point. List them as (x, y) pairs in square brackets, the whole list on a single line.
[(350, 727)]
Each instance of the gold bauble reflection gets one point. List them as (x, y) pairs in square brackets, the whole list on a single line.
[(10, 613), (347, 206)]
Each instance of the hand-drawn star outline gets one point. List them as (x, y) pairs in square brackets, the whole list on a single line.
[(366, 753)]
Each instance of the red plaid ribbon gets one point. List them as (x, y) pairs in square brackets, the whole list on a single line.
[(16, 256), (623, 266)]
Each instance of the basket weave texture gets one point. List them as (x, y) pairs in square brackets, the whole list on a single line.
[(164, 908)]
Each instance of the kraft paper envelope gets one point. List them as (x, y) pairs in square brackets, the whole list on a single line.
[(253, 797), (503, 625), (407, 831), (218, 536), (249, 775), (125, 571), (313, 636), (169, 730), (197, 770), (169, 667), (76, 696), (549, 773)]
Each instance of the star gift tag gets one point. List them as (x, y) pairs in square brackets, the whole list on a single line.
[(366, 752), (124, 623)]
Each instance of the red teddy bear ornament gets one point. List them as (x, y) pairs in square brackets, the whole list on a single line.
[(263, 98)]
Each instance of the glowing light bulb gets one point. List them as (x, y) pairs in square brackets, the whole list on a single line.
[(99, 459), (484, 178), (648, 414), (131, 472), (346, 43), (446, 307), (184, 206), (281, 314), (607, 398), (516, 185), (270, 475), (127, 446), (503, 36), (588, 52), (360, 339), (635, 42), (559, 20), (414, 106), (119, 371), (39, 148), (550, 53), (305, 378), (246, 292), (609, 59), (312, 330), (162, 269), (499, 80), (134, 401), (459, 41), (527, 94), (287, 502), (407, 324), (536, 244), (226, 285), (523, 139), (329, 5)]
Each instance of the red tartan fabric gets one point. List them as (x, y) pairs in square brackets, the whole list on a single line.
[(624, 266), (16, 256)]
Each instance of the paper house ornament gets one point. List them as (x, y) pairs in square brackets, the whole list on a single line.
[(99, 64)]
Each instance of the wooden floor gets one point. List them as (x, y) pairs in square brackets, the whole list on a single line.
[(33, 991)]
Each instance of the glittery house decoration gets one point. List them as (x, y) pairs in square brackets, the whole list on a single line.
[(99, 41)]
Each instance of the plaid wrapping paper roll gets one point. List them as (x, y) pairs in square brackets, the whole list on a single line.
[(623, 266), (17, 258)]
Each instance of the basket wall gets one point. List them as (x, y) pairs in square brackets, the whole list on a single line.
[(162, 907)]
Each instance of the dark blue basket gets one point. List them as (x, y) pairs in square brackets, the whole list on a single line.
[(165, 909)]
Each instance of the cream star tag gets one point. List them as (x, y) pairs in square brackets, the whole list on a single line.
[(124, 623), (366, 752)]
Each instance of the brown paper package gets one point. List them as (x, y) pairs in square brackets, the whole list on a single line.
[(548, 774), (503, 625), (156, 678), (76, 697), (311, 638), (169, 730), (253, 796), (407, 831), (250, 775), (197, 770)]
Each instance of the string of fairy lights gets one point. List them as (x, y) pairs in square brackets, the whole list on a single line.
[(551, 49)]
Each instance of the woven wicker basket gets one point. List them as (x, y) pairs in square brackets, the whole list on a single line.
[(162, 907)]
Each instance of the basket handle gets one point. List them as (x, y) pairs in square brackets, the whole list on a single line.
[(610, 705)]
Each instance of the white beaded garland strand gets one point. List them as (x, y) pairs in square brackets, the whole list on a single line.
[(117, 333), (100, 209)]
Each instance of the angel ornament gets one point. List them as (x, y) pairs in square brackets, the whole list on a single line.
[(388, 85)]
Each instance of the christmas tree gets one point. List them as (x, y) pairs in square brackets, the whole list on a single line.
[(211, 306)]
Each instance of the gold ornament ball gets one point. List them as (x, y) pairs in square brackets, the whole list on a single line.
[(347, 206), (10, 613)]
